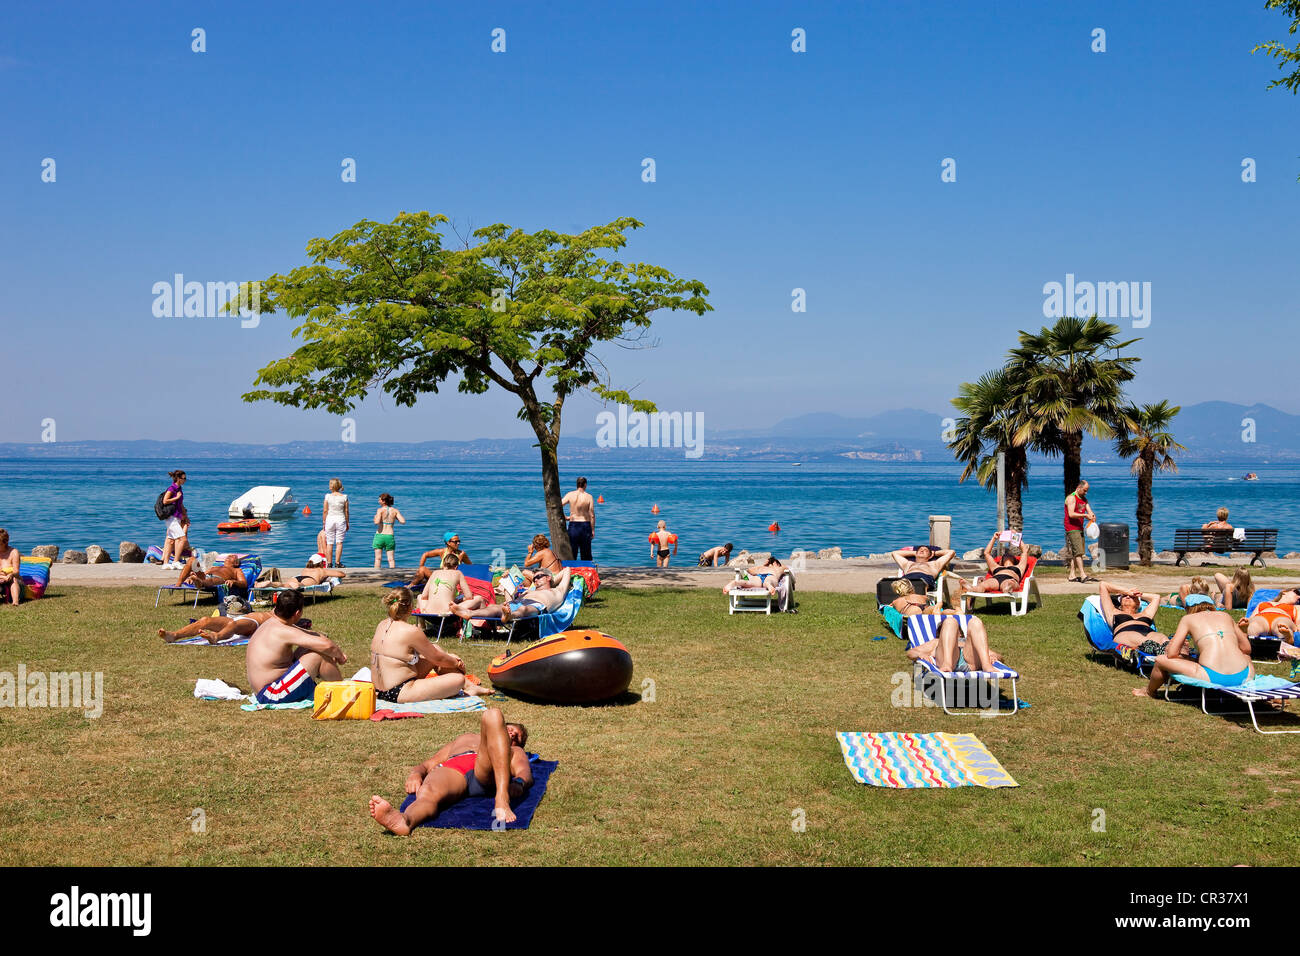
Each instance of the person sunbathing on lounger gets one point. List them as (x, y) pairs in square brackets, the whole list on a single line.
[(1005, 575), (490, 762), (907, 602), (447, 584), (922, 565), (311, 576), (406, 666), (1130, 625), (284, 660), (227, 573), (758, 577), (216, 629), (1277, 618), (544, 595), (1223, 649), (954, 651)]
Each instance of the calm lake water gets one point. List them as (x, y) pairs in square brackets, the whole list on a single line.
[(861, 507)]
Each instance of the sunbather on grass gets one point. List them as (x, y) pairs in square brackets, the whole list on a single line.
[(406, 666), (1235, 592), (908, 602), (1223, 650), (1006, 574), (492, 761), (1197, 585), (954, 651), (1277, 618), (228, 573), (447, 584), (922, 565), (762, 577), (308, 577), (216, 629), (543, 596), (1130, 624), (284, 660)]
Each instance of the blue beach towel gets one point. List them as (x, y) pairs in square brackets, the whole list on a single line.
[(475, 813), (236, 641)]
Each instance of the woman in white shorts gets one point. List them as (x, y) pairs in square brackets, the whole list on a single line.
[(337, 520), (178, 525)]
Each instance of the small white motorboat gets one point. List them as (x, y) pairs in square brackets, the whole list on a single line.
[(264, 501)]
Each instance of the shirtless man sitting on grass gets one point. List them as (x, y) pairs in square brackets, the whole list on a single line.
[(492, 761), (285, 660), (1223, 649), (216, 629)]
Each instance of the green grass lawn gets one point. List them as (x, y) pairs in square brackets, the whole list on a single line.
[(740, 735)]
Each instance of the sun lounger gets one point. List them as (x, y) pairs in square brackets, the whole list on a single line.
[(894, 618), (760, 599), (310, 590), (925, 627), (250, 564), (1250, 693), (1019, 599), (552, 622)]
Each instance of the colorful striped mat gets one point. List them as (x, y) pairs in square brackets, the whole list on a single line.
[(921, 760)]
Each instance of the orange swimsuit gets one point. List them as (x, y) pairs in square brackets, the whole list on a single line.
[(1274, 612)]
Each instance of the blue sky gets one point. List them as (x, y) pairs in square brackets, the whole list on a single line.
[(775, 170)]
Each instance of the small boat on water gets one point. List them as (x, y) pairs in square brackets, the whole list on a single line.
[(243, 525), (1251, 476), (264, 501)]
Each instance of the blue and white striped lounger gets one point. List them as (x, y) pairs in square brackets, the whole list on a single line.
[(1263, 688), (1102, 640), (925, 627)]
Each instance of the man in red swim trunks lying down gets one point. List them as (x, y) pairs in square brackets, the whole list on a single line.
[(472, 765)]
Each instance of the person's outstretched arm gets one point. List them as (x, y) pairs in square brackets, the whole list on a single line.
[(900, 557)]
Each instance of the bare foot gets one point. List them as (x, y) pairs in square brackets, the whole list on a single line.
[(211, 637), (388, 818), (502, 810), (477, 690), (168, 636), (1142, 692)]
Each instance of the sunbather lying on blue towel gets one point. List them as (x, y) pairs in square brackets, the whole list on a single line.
[(1223, 650), (1132, 625), (473, 765)]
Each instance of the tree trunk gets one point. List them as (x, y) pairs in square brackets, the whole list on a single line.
[(1017, 475), (1144, 509), (1073, 457), (554, 503)]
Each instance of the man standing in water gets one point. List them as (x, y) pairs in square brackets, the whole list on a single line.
[(582, 521), (1078, 513)]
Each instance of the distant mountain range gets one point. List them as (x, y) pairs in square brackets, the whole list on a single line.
[(1212, 432)]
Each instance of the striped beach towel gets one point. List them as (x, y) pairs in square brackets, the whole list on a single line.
[(907, 761)]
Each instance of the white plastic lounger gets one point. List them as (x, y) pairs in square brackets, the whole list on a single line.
[(922, 628), (1263, 688), (757, 599)]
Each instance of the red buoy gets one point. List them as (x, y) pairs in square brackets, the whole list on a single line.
[(600, 499), (306, 511), (774, 527), (654, 509)]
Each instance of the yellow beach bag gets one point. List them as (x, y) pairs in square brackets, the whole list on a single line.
[(344, 700)]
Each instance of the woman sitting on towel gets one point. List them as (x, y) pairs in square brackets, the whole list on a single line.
[(1223, 649), (1197, 585), (1130, 625), (1006, 574), (1235, 592), (406, 666)]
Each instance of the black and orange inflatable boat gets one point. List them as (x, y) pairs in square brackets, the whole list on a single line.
[(572, 667)]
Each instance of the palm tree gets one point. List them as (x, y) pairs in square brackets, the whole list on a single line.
[(989, 422), (1149, 443), (1072, 386)]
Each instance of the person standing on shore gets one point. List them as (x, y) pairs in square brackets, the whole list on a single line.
[(1078, 513), (384, 540), (582, 520), (337, 520), (178, 524)]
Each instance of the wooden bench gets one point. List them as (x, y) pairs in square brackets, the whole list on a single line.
[(1255, 542)]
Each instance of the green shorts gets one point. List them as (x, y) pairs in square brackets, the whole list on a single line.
[(1074, 541), (384, 542)]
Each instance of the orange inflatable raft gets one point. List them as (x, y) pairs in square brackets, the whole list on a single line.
[(572, 667)]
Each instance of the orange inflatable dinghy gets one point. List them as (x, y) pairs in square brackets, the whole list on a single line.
[(572, 667)]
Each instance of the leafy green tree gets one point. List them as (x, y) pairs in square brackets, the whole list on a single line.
[(1072, 379), (1148, 441), (393, 306), (991, 418), (1278, 51)]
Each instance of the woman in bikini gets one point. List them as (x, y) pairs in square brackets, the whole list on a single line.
[(384, 540), (908, 602), (1223, 649), (1277, 618), (540, 553), (1130, 624), (1005, 575), (406, 666), (1235, 592), (445, 586)]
